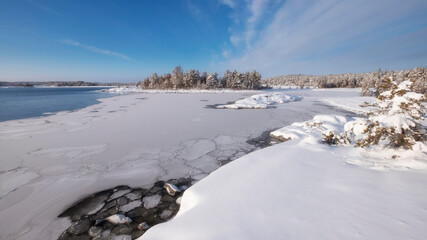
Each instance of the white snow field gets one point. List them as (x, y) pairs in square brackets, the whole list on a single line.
[(304, 189), (48, 163)]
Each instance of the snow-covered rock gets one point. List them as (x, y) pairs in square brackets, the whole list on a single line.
[(258, 101), (171, 189), (118, 219)]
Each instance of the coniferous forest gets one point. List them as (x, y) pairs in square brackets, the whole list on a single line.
[(193, 79)]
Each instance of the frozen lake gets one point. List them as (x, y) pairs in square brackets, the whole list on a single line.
[(50, 162)]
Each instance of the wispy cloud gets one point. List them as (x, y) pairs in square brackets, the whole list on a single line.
[(230, 3), (94, 49), (252, 12), (195, 10), (322, 36), (43, 7)]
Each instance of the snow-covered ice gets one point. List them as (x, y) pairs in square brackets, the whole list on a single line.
[(48, 163)]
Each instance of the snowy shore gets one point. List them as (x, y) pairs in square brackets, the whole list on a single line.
[(48, 163), (303, 189)]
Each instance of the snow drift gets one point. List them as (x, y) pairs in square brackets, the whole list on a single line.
[(265, 100)]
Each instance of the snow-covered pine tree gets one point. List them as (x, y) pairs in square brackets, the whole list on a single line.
[(202, 80), (212, 80), (154, 81), (177, 77), (396, 120)]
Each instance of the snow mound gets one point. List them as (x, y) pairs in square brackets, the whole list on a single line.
[(259, 101), (376, 157), (313, 128)]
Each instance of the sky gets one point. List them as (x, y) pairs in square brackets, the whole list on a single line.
[(125, 40)]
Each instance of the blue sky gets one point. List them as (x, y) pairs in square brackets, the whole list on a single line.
[(112, 40)]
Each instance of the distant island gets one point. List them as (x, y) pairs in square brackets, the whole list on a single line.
[(58, 84)]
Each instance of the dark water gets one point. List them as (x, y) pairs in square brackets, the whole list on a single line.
[(18, 103)]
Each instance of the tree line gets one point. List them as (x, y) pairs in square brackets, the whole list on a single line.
[(193, 79), (369, 82)]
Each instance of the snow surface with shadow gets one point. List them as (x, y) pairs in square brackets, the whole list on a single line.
[(305, 189)]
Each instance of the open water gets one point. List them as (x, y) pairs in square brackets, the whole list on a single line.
[(19, 103)]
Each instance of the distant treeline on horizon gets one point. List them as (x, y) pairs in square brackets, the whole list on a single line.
[(367, 81), (193, 79)]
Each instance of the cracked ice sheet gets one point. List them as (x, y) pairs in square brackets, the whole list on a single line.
[(70, 155)]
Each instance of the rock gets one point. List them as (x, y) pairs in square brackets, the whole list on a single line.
[(130, 206), (137, 212), (149, 216), (118, 219), (110, 204), (87, 206), (134, 195), (119, 193), (184, 181), (95, 231), (171, 189), (174, 207), (64, 236), (162, 205), (151, 201), (122, 237), (155, 190), (80, 237), (118, 211), (158, 184), (121, 230), (105, 235), (113, 210), (166, 214), (137, 234), (80, 227), (122, 201), (143, 226), (100, 215), (168, 198)]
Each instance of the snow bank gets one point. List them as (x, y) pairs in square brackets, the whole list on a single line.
[(265, 100), (126, 90), (302, 189), (311, 129), (376, 157)]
